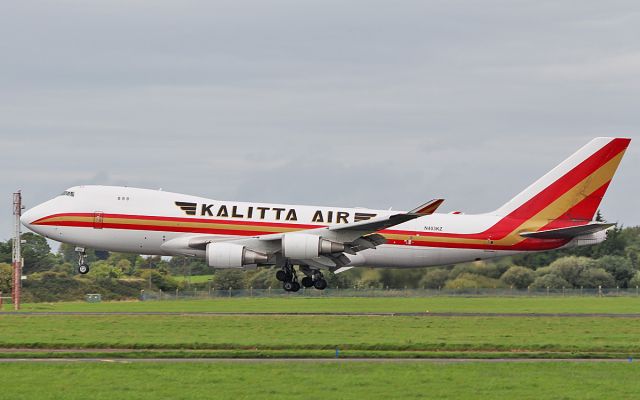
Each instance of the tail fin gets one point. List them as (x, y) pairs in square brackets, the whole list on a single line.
[(573, 190)]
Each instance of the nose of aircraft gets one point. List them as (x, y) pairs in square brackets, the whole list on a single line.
[(27, 218), (33, 214)]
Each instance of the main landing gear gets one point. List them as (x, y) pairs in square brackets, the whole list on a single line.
[(83, 267), (287, 275), (313, 278)]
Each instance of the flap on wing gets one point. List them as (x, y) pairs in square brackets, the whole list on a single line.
[(568, 233)]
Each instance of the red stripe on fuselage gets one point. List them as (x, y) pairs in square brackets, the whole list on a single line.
[(419, 236), (42, 221)]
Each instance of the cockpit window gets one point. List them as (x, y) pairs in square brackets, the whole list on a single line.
[(67, 193)]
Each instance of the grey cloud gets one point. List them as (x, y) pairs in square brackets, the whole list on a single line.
[(364, 103)]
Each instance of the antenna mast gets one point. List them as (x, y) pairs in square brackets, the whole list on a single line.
[(17, 251)]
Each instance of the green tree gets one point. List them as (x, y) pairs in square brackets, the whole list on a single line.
[(6, 252), (553, 281), (5, 277), (467, 280), (594, 277), (434, 278), (570, 268), (160, 281), (369, 279), (342, 280), (263, 278), (620, 267), (519, 277), (125, 267), (102, 270), (400, 278), (182, 265), (228, 278), (36, 253), (635, 281)]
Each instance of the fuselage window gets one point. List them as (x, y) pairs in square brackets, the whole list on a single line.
[(67, 193)]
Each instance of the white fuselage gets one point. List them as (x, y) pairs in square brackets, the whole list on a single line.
[(142, 221)]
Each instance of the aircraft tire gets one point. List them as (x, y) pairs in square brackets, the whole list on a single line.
[(83, 269), (295, 287), (288, 286), (307, 282), (281, 276), (320, 284)]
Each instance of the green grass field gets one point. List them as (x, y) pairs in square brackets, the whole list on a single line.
[(304, 380), (302, 334), (361, 304), (318, 336), (114, 337)]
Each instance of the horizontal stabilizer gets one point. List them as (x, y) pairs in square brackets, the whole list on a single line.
[(568, 233)]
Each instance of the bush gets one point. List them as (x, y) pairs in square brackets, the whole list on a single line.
[(482, 268), (469, 281), (570, 268), (228, 278), (635, 281), (553, 281), (369, 279), (161, 281), (102, 270), (594, 277), (434, 279), (262, 278), (619, 267), (518, 277)]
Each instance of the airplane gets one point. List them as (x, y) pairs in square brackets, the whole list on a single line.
[(554, 212)]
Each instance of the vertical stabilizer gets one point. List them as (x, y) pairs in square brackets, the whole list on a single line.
[(573, 190)]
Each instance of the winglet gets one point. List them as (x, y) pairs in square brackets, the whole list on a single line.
[(427, 208)]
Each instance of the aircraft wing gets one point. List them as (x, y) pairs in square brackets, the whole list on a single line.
[(355, 237)]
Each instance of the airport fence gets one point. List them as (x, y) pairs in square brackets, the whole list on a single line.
[(406, 292)]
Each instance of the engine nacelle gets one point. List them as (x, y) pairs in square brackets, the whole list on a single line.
[(302, 246), (231, 255)]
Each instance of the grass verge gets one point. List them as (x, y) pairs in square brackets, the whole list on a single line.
[(308, 380)]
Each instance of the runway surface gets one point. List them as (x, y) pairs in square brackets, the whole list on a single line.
[(334, 314), (310, 360)]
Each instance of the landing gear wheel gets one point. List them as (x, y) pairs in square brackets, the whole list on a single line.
[(307, 281), (320, 284), (83, 268), (295, 286), (288, 286), (281, 276)]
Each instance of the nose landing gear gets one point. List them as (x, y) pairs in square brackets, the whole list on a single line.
[(83, 267)]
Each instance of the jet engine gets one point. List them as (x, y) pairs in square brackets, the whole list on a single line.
[(302, 246), (231, 255)]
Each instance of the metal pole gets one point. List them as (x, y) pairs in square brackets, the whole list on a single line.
[(17, 251)]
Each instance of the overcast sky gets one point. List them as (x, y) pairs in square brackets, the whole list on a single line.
[(351, 103)]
